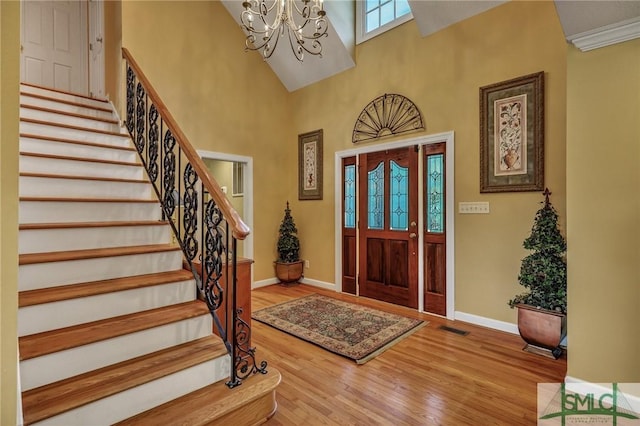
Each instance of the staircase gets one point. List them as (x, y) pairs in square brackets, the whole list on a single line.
[(110, 329)]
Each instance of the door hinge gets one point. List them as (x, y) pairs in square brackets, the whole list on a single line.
[(91, 46)]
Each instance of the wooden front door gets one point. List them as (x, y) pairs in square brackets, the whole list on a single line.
[(435, 266), (388, 215)]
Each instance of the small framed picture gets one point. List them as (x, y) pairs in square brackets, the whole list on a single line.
[(512, 135), (310, 165)]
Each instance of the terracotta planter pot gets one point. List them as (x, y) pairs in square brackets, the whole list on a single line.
[(289, 272), (542, 330)]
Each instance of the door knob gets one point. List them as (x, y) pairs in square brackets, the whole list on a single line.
[(413, 235)]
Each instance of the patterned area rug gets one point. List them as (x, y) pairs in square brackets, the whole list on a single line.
[(353, 331)]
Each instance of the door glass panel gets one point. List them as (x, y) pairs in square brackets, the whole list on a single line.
[(350, 196), (399, 197), (375, 202), (435, 193)]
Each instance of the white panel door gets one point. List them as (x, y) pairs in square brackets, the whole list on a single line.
[(54, 44)]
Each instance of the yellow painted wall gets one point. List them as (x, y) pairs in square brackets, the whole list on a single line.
[(222, 172), (603, 183), (9, 79), (225, 99), (442, 74)]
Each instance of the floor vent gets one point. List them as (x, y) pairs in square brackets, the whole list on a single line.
[(454, 330)]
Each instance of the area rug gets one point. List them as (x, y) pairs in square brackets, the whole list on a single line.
[(350, 330)]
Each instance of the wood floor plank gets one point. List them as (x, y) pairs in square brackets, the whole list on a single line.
[(66, 225), (433, 377)]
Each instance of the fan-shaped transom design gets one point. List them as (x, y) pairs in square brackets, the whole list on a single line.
[(387, 115)]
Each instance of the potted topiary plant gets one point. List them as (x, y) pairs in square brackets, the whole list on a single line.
[(542, 309), (289, 267)]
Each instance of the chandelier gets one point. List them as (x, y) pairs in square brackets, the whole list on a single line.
[(266, 21)]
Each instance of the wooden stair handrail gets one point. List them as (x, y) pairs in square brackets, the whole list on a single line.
[(239, 229)]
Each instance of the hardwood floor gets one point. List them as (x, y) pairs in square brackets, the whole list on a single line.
[(433, 377)]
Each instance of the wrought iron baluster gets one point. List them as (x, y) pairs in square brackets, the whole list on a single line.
[(131, 78), (190, 219), (152, 152), (140, 118)]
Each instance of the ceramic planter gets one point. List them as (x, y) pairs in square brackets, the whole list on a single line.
[(542, 330), (289, 272)]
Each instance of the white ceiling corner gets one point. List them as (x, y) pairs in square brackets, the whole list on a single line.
[(593, 24)]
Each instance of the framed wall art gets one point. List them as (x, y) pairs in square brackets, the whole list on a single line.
[(512, 135), (310, 165)]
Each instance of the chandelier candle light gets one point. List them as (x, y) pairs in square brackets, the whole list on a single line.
[(304, 22)]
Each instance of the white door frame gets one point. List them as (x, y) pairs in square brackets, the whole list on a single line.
[(248, 192), (96, 49), (448, 139)]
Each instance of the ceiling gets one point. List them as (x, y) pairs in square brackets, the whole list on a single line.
[(588, 24)]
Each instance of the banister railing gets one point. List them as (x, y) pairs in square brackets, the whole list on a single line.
[(202, 219)]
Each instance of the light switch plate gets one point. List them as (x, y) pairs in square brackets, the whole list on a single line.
[(479, 207)]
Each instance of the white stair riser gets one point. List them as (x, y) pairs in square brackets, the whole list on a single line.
[(64, 239), (45, 317), (60, 365), (77, 150), (64, 107), (142, 398), (69, 120), (74, 134), (51, 274), (64, 96), (30, 186), (86, 211), (57, 166)]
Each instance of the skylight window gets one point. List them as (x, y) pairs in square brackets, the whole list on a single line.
[(377, 16)]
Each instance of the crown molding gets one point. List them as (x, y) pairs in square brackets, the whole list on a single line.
[(607, 35)]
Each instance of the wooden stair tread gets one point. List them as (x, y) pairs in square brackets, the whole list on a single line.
[(87, 160), (74, 291), (76, 177), (68, 126), (76, 142), (65, 101), (35, 345), (50, 400), (67, 225), (90, 200), (69, 114), (211, 402), (64, 92), (61, 256)]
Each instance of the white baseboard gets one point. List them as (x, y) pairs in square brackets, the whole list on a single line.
[(317, 283), (631, 391), (308, 281), (487, 322), (264, 283)]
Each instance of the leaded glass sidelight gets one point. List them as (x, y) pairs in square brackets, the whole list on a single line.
[(375, 201), (399, 197), (435, 193), (350, 196)]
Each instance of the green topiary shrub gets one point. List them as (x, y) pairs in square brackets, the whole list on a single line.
[(544, 272), (288, 242)]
